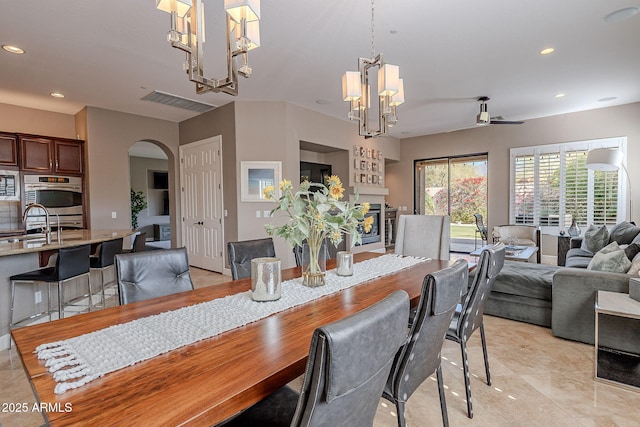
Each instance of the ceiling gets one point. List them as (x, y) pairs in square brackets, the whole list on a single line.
[(109, 54)]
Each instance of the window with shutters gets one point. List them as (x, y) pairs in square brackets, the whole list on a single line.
[(551, 185)]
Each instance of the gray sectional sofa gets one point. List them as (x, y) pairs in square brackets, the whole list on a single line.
[(563, 298)]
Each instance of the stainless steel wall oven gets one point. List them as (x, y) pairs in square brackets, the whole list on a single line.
[(61, 195)]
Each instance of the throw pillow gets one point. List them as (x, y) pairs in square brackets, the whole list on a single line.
[(634, 270), (623, 233), (611, 258), (595, 238), (632, 250)]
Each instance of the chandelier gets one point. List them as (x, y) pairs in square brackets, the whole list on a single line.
[(357, 91), (188, 34)]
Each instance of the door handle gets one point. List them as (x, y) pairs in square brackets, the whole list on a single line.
[(198, 223)]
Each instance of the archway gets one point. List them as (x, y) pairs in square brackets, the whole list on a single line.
[(151, 177)]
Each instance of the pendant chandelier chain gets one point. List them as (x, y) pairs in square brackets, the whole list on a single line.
[(373, 48)]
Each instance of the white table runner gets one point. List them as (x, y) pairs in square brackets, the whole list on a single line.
[(79, 360)]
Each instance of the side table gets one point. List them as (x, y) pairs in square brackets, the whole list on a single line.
[(614, 366), (563, 247)]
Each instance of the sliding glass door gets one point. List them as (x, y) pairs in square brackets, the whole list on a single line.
[(454, 186)]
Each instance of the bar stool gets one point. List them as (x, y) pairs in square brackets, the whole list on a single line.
[(71, 263), (103, 259), (139, 242)]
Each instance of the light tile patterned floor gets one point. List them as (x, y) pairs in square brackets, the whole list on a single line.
[(538, 380)]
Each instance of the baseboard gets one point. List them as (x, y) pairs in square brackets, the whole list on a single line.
[(4, 341)]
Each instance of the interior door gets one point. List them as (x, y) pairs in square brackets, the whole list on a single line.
[(201, 185)]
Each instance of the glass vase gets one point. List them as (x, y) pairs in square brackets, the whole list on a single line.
[(314, 264), (573, 230)]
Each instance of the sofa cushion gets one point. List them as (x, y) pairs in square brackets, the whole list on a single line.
[(578, 261), (632, 250), (634, 270), (595, 238), (623, 233), (525, 279), (610, 258)]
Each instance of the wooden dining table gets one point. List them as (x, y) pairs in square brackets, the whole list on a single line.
[(205, 382)]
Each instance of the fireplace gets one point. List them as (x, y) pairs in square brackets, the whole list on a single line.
[(373, 235)]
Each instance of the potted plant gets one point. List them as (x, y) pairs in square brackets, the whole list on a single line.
[(138, 203)]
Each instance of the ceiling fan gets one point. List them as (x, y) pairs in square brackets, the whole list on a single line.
[(483, 118)]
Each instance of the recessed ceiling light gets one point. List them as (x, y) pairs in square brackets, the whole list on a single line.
[(621, 15), (323, 101), (13, 49), (547, 51), (393, 31), (57, 94), (607, 99), (560, 95)]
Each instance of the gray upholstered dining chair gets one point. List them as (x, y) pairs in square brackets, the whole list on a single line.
[(420, 357), (423, 236), (469, 315), (241, 253), (349, 362), (151, 274)]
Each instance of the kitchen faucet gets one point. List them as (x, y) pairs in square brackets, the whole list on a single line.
[(47, 225)]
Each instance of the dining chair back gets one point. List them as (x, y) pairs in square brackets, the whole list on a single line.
[(419, 358), (152, 274), (481, 229), (241, 253), (423, 236), (469, 315), (348, 365)]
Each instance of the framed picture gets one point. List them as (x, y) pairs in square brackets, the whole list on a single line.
[(356, 164), (363, 178), (255, 176), (368, 153), (356, 150), (369, 179), (356, 177), (368, 165), (363, 151), (374, 154), (363, 165), (374, 166), (380, 179), (375, 179)]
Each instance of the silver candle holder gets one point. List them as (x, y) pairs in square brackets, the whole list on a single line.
[(344, 263), (265, 279)]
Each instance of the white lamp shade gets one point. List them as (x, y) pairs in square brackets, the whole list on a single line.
[(181, 7), (398, 98), (388, 80), (604, 159), (351, 86), (247, 9), (253, 34)]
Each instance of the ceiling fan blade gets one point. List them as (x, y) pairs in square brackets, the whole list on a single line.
[(505, 122)]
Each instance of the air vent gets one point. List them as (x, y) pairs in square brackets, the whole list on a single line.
[(177, 101)]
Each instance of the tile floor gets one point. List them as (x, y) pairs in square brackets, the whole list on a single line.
[(538, 380)]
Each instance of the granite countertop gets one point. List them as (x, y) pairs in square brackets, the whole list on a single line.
[(36, 243)]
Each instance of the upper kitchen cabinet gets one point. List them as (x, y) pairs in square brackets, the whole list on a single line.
[(8, 149), (52, 155)]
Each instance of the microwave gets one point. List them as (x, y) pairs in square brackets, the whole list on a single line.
[(61, 195), (9, 185)]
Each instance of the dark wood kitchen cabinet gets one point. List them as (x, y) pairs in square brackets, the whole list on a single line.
[(8, 149), (52, 155)]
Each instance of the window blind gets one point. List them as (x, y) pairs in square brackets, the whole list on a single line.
[(551, 185)]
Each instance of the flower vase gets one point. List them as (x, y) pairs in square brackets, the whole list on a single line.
[(314, 264), (573, 230)]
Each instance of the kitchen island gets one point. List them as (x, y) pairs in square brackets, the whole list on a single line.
[(19, 254)]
